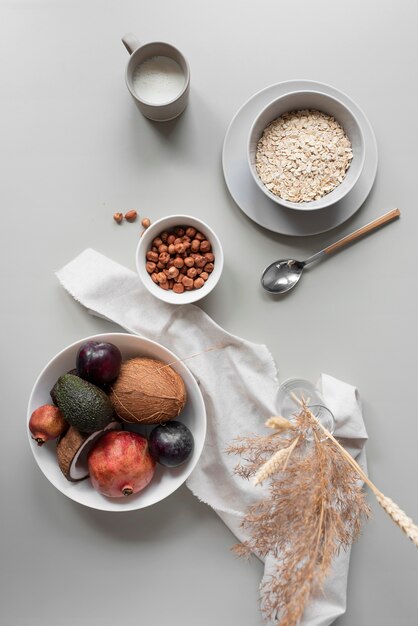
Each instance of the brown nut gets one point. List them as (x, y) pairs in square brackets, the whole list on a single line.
[(164, 257), (191, 232), (131, 215), (205, 246), (162, 248), (179, 231), (192, 272), (178, 262), (170, 283), (154, 277), (200, 261), (161, 277), (171, 239), (118, 217), (152, 256), (187, 282), (204, 275), (178, 287), (157, 242), (171, 248), (164, 236), (209, 256), (180, 248), (179, 278), (189, 261), (160, 265), (164, 286), (146, 222), (199, 236), (195, 245), (173, 272), (150, 267), (208, 267), (198, 283)]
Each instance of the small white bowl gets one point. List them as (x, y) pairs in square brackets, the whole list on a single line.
[(144, 245), (165, 480), (295, 101)]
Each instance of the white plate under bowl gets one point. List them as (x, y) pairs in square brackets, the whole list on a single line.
[(165, 480), (261, 209)]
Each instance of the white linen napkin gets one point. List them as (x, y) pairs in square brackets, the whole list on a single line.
[(239, 385)]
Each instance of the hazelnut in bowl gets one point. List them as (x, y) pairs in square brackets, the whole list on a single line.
[(306, 150), (179, 259)]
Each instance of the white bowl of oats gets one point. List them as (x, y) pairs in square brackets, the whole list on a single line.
[(306, 150)]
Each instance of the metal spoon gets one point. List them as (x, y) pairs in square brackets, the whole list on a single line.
[(282, 275)]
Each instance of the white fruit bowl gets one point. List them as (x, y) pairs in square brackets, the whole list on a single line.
[(165, 480)]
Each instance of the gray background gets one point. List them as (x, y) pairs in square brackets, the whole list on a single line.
[(74, 150)]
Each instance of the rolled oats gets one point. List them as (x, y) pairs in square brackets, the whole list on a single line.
[(303, 155)]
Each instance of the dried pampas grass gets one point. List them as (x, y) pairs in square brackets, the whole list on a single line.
[(315, 506)]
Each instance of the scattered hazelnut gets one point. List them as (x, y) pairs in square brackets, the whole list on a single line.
[(145, 222), (131, 215), (118, 217)]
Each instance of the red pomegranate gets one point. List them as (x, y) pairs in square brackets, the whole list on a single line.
[(46, 422), (120, 464)]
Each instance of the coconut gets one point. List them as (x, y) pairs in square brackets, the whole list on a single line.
[(73, 449), (147, 391)]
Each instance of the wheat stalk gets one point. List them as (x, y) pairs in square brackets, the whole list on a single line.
[(393, 510), (279, 423), (277, 462), (399, 517)]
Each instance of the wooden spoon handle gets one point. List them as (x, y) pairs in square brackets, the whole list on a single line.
[(368, 228)]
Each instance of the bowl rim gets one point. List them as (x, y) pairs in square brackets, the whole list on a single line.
[(307, 206), (187, 297), (135, 505)]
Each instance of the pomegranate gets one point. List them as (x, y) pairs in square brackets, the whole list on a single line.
[(120, 464), (46, 422)]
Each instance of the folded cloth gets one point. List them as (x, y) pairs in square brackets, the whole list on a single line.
[(239, 385)]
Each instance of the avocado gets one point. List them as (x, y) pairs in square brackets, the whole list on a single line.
[(82, 404)]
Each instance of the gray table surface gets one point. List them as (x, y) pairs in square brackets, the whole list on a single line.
[(74, 149)]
